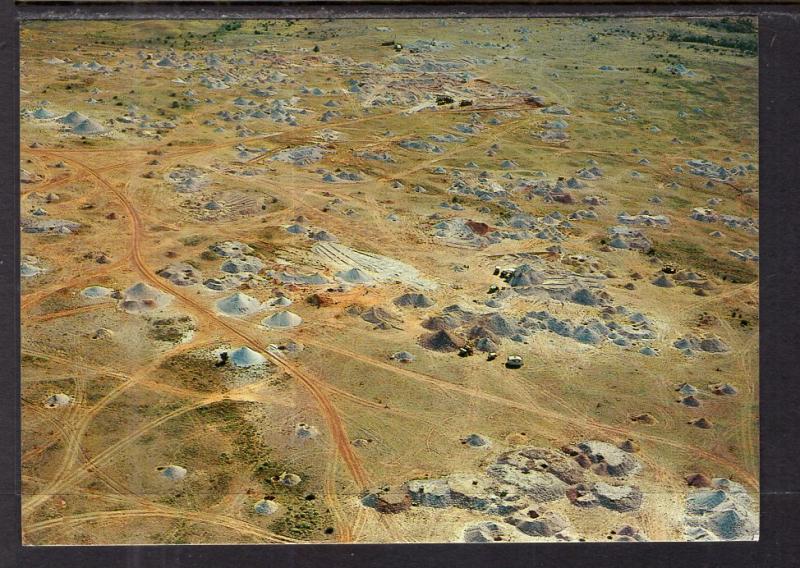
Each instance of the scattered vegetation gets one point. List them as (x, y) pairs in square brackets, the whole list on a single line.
[(747, 45), (194, 372), (193, 240), (687, 254), (730, 25)]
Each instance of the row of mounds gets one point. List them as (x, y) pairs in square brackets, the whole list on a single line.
[(690, 395), (517, 486), (359, 268), (73, 122), (616, 325), (691, 344), (451, 317), (480, 339), (536, 278), (604, 458), (519, 481), (718, 509), (538, 526), (694, 280), (49, 226), (626, 238), (701, 285), (482, 334)]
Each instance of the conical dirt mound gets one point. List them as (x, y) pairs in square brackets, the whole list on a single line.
[(284, 319), (239, 304), (441, 341), (246, 357), (89, 126), (526, 275), (354, 276), (703, 423), (142, 298), (723, 389), (141, 291), (42, 113), (73, 119), (279, 302)]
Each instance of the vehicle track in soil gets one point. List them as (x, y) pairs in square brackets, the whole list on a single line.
[(314, 386), (589, 424)]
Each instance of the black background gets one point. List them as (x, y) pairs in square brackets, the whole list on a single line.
[(779, 53)]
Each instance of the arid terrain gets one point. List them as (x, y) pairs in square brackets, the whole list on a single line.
[(382, 281)]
